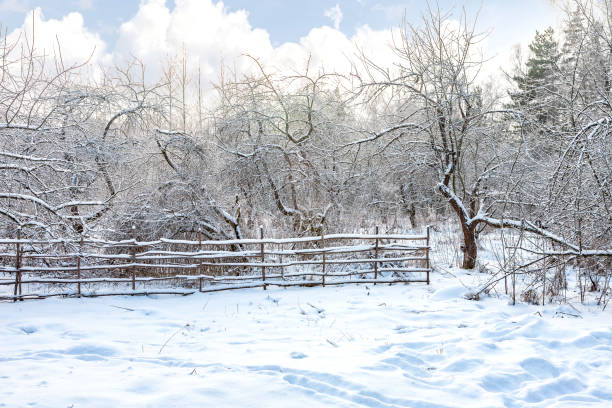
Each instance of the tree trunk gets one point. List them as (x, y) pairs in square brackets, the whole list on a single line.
[(412, 214), (470, 250)]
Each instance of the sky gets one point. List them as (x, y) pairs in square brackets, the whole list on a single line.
[(281, 32)]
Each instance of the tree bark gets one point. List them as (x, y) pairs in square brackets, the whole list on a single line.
[(470, 250)]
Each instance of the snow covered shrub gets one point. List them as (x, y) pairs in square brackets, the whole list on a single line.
[(530, 296)]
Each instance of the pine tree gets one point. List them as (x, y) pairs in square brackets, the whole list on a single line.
[(584, 65), (574, 38), (537, 84)]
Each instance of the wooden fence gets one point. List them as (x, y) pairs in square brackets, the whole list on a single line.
[(36, 269)]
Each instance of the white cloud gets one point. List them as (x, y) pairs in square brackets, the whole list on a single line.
[(211, 35), (335, 15), (67, 38), (145, 35)]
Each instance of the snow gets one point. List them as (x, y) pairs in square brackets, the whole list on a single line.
[(132, 242), (349, 346)]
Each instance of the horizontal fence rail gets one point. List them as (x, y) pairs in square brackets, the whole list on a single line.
[(88, 267)]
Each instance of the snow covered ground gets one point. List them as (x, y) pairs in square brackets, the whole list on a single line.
[(351, 346)]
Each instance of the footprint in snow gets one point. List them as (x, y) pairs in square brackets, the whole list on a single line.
[(593, 339), (91, 350), (540, 368), (554, 389), (502, 382), (28, 329), (464, 365)]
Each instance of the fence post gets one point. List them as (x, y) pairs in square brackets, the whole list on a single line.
[(323, 249), (280, 261), (133, 268), (513, 286), (18, 266), (200, 262), (263, 268), (427, 262), (79, 266), (133, 251), (376, 256)]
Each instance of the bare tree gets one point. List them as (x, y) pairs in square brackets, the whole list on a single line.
[(279, 133), (476, 147), (46, 181)]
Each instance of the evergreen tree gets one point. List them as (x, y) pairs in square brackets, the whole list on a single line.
[(536, 86), (574, 36), (584, 65)]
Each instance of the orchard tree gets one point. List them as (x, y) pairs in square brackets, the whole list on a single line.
[(279, 133), (475, 147), (48, 183)]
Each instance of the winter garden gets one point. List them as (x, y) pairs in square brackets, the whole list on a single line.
[(405, 230)]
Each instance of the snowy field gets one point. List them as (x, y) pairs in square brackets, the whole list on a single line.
[(352, 346)]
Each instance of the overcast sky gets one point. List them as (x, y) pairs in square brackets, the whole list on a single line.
[(281, 31)]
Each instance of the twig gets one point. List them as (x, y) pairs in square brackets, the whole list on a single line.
[(171, 337), (121, 307), (319, 310)]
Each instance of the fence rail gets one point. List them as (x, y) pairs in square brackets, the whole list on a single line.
[(90, 267)]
